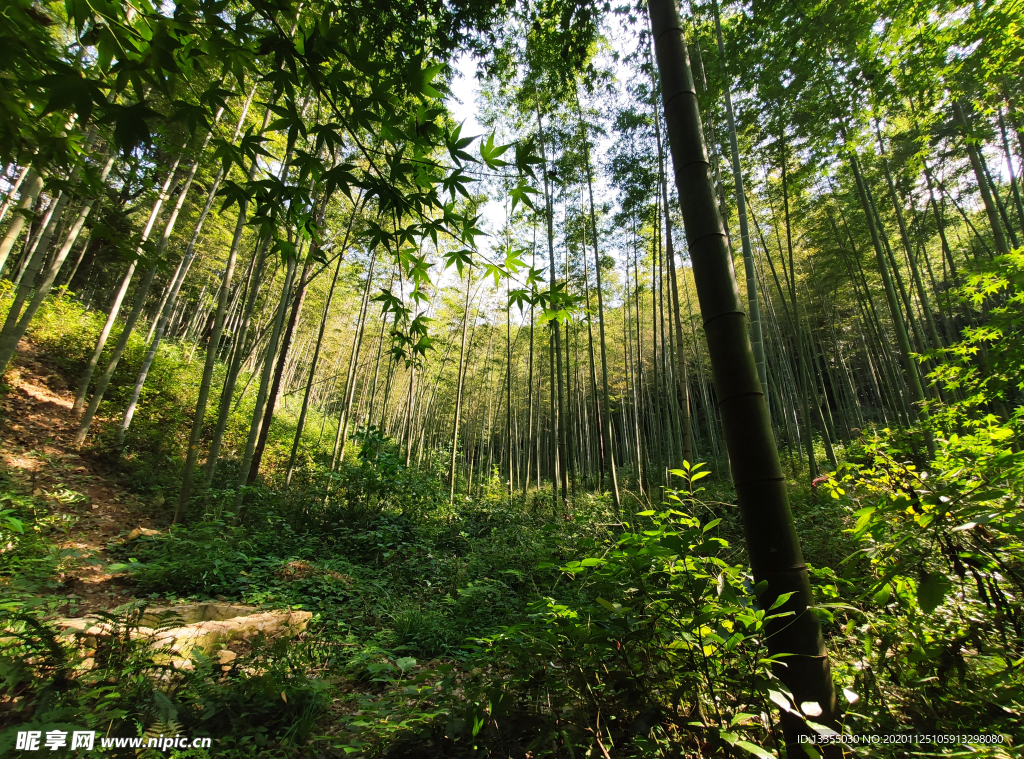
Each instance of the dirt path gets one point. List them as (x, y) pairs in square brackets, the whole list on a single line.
[(36, 453)]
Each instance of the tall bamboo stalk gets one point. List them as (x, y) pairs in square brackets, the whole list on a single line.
[(772, 543)]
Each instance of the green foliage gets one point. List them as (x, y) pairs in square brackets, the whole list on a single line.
[(117, 683), (207, 558), (937, 579), (577, 634), (982, 371), (939, 572), (657, 641), (30, 559)]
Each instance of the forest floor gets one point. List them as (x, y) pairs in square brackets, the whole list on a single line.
[(37, 428)]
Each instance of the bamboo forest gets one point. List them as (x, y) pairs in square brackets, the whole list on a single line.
[(512, 378)]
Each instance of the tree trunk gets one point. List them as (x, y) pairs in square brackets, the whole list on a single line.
[(998, 236), (11, 193), (772, 542), (312, 372), (460, 382), (753, 307), (26, 279), (212, 349), (803, 371), (255, 426), (903, 340), (238, 356), (140, 297), (115, 306), (606, 416), (166, 309), (1017, 202), (275, 390), (350, 380), (529, 403), (33, 186), (682, 376), (9, 342), (905, 239), (559, 418)]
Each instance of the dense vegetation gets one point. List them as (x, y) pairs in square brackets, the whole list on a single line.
[(447, 390)]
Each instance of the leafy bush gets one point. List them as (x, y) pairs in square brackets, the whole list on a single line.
[(660, 643), (206, 558), (940, 579), (30, 560), (939, 571)]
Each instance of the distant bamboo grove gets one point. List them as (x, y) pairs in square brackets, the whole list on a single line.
[(222, 202)]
